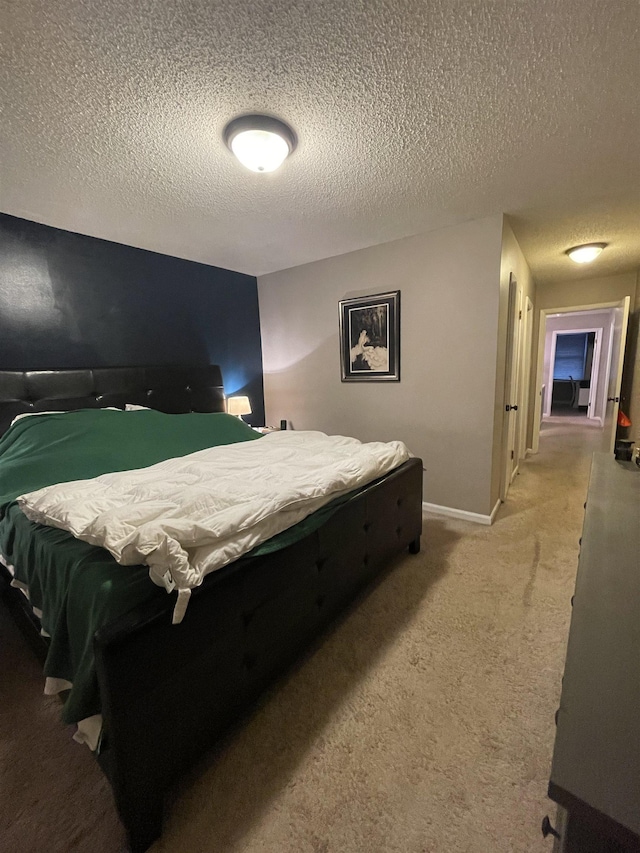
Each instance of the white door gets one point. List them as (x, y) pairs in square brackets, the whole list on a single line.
[(523, 408), (510, 415), (616, 362)]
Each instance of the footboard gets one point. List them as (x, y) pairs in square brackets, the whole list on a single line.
[(169, 691)]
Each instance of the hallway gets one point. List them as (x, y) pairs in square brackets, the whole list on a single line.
[(566, 435)]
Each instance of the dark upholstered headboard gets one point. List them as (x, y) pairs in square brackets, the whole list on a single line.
[(174, 389)]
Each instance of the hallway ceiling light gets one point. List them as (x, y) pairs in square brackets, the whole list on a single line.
[(586, 253), (261, 143)]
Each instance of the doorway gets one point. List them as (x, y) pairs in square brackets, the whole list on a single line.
[(575, 368), (608, 322)]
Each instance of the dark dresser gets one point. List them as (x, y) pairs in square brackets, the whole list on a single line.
[(595, 773)]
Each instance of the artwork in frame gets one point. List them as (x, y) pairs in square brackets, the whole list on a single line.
[(370, 338)]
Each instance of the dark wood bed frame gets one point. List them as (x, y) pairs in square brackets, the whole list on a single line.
[(168, 692)]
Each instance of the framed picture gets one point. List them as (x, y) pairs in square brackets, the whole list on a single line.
[(370, 338)]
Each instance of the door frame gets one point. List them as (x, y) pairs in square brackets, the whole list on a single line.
[(593, 387), (624, 306), (542, 333)]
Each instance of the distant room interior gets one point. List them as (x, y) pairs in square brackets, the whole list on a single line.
[(572, 373)]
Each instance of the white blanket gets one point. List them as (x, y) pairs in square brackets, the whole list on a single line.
[(191, 515)]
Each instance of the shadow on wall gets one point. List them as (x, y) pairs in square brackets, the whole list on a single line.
[(307, 392), (105, 305), (242, 777), (286, 362), (76, 301), (293, 396)]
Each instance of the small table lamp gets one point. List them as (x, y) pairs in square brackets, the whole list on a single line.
[(238, 406)]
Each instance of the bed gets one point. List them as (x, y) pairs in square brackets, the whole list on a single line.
[(246, 622)]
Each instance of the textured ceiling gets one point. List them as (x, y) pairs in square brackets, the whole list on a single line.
[(410, 116)]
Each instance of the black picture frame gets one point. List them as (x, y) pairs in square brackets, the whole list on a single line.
[(370, 338)]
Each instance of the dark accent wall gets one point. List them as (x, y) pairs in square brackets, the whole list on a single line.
[(67, 300)]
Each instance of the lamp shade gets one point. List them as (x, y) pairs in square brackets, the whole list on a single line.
[(238, 406)]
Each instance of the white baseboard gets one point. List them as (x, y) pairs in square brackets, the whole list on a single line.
[(462, 514)]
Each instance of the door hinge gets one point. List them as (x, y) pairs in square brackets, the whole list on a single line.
[(520, 315), (512, 454)]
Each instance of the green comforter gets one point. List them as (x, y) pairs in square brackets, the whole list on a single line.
[(79, 587), (39, 451)]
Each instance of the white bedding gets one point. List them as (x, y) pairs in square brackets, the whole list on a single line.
[(189, 516)]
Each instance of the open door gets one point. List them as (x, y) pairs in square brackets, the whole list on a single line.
[(618, 339), (523, 405)]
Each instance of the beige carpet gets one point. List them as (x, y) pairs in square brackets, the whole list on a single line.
[(423, 723)]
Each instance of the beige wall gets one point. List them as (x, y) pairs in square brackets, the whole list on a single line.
[(444, 406), (587, 291), (511, 261)]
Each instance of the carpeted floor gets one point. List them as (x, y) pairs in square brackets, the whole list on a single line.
[(423, 723)]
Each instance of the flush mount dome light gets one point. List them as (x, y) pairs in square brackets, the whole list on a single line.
[(586, 253), (261, 143)]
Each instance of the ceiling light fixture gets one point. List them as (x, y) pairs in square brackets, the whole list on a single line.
[(586, 253), (261, 143)]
